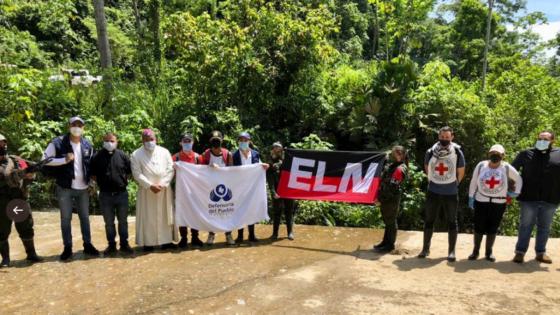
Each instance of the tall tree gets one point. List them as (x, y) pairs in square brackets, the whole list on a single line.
[(104, 52), (487, 43)]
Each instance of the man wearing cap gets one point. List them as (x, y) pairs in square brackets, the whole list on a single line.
[(72, 155), (110, 168), (187, 155), (279, 204), (493, 182), (152, 168), (13, 185), (245, 155), (540, 195), (217, 156)]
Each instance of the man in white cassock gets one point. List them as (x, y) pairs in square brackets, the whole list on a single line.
[(152, 168)]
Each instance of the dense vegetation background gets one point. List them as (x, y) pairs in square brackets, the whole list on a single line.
[(329, 74)]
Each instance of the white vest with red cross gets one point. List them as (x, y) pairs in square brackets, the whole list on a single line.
[(443, 170), (492, 182)]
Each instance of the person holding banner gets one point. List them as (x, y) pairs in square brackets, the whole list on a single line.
[(444, 163), (187, 155), (245, 156), (389, 198), (152, 168), (279, 205), (14, 180), (217, 156), (494, 181)]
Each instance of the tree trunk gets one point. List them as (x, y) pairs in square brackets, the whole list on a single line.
[(102, 38), (155, 24), (375, 43), (487, 43), (104, 53)]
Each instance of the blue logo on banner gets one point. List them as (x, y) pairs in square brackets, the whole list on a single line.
[(221, 192)]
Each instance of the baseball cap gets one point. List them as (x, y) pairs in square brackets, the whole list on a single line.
[(245, 135), (216, 135), (187, 136), (76, 118), (497, 148)]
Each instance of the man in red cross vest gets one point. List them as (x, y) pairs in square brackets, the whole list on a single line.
[(444, 164)]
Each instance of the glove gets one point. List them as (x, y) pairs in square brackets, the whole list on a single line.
[(511, 194), (471, 202)]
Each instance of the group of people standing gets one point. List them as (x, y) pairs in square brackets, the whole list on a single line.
[(75, 165), (533, 178)]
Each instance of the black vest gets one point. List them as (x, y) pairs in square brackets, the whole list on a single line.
[(65, 173)]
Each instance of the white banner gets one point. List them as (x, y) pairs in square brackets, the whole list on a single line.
[(219, 199)]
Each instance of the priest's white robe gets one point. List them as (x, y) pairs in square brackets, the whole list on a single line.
[(154, 212)]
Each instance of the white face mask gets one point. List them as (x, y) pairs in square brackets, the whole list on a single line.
[(76, 131), (150, 145), (109, 146)]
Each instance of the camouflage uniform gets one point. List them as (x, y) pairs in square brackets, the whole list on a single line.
[(13, 185)]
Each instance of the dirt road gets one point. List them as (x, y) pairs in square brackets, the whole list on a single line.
[(325, 270)]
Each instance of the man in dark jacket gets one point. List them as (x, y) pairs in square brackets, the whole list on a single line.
[(110, 167), (72, 155), (13, 185), (540, 194)]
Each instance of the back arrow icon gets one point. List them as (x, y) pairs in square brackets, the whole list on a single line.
[(16, 210)]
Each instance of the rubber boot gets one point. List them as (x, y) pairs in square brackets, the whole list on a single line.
[(290, 224), (383, 241), (427, 243), (195, 241), (240, 237), (388, 243), (252, 237), (275, 228), (183, 243), (29, 246), (490, 238), (476, 249), (5, 253), (452, 238)]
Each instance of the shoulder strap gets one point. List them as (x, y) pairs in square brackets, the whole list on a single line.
[(225, 154), (207, 156), (480, 168)]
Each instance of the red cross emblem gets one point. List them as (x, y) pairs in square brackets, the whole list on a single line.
[(441, 168), (492, 182)]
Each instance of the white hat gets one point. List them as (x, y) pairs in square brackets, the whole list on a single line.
[(497, 148), (76, 118)]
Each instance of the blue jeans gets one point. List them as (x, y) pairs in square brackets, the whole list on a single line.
[(539, 213), (111, 204), (66, 198)]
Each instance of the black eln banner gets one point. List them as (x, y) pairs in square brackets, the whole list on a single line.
[(345, 176)]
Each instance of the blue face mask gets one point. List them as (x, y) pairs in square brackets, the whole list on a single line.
[(243, 145), (187, 147), (542, 145)]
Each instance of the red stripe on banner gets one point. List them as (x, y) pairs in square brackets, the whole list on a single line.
[(348, 196)]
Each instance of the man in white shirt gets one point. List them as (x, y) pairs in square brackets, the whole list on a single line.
[(72, 155)]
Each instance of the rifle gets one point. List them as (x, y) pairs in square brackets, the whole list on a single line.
[(35, 167)]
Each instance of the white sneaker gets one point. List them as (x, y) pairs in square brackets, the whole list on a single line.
[(210, 240), (229, 239)]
